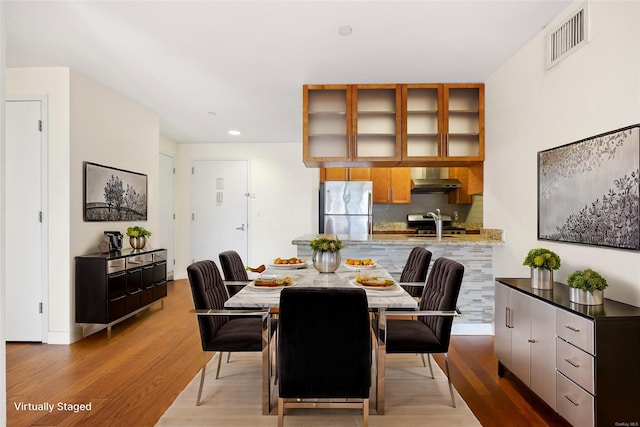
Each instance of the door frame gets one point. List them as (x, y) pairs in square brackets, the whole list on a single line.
[(44, 203), (249, 196)]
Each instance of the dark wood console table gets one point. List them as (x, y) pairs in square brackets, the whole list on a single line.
[(115, 286)]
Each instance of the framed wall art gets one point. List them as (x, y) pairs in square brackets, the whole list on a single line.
[(112, 194), (588, 190)]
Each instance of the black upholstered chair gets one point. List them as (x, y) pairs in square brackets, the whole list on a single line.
[(414, 273), (324, 349), (224, 330), (429, 329), (233, 270)]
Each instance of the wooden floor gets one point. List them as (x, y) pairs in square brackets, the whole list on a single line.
[(132, 379)]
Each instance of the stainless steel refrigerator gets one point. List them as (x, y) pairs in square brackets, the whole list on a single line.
[(346, 208)]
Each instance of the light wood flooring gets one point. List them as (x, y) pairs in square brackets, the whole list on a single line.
[(131, 379)]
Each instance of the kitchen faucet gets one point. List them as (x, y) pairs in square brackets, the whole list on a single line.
[(438, 219)]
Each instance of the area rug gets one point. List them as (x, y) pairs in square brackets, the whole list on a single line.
[(413, 398)]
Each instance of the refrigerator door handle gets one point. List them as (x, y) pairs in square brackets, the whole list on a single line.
[(370, 195)]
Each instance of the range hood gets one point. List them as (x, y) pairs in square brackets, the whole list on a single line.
[(435, 185)]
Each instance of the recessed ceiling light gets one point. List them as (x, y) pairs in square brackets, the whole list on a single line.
[(345, 30), (234, 132)]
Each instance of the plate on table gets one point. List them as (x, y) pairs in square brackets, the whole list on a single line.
[(289, 263), (382, 284), (271, 282), (360, 263)]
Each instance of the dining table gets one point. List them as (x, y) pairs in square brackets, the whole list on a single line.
[(379, 300)]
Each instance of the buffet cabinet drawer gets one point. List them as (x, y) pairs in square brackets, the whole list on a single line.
[(575, 330), (576, 365), (573, 403)]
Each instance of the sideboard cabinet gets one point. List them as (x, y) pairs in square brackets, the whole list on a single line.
[(589, 354), (113, 287)]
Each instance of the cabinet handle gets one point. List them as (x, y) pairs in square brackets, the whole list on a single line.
[(572, 328), (566, 396), (531, 340), (446, 145), (574, 364), (508, 318)]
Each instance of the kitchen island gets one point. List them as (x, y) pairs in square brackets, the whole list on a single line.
[(474, 251)]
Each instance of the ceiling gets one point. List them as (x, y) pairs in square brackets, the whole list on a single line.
[(206, 67)]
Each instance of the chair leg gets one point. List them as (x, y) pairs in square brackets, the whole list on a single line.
[(202, 373), (280, 412), (228, 356), (430, 367), (365, 412), (219, 362), (446, 364), (424, 364)]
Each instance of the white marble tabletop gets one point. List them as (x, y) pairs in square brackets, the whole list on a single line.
[(262, 297)]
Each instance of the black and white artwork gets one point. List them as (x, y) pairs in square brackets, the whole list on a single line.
[(112, 194), (588, 191)]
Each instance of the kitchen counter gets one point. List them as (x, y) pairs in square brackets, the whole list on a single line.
[(474, 251)]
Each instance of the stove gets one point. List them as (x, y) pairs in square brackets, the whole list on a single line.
[(425, 225)]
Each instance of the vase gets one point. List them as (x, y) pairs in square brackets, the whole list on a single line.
[(326, 262), (585, 297), (137, 242), (541, 278)]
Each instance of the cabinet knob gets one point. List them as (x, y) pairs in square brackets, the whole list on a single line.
[(531, 340)]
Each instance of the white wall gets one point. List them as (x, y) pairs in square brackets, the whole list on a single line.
[(3, 353), (529, 109), (87, 122), (284, 206)]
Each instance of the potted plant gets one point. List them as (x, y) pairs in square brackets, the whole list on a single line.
[(542, 262), (326, 253), (138, 236), (586, 287)]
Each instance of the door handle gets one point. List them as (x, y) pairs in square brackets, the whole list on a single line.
[(240, 228)]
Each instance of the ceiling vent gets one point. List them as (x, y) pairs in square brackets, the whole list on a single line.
[(569, 36)]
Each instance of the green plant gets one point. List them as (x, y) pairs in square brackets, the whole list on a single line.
[(326, 244), (587, 280), (542, 258), (138, 231)]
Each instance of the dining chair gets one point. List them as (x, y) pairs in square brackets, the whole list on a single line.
[(321, 362), (224, 330), (414, 273), (428, 330), (233, 269)]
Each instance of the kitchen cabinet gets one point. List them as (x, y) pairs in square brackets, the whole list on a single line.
[(352, 124), (391, 185), (345, 174), (113, 287), (595, 356), (472, 179), (443, 124), (525, 340)]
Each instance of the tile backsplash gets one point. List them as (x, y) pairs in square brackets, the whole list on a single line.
[(422, 203)]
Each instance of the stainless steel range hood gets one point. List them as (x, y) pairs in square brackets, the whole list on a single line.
[(435, 185)]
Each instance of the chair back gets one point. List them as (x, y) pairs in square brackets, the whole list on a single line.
[(233, 269), (324, 343), (208, 291), (415, 270), (441, 294)]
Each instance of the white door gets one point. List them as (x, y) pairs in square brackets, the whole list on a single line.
[(220, 206), (24, 257), (167, 210)]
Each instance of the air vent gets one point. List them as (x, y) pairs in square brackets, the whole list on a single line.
[(568, 37)]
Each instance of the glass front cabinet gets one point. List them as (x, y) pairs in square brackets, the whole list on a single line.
[(345, 124)]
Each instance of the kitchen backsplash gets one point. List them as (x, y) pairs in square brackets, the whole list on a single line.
[(393, 215)]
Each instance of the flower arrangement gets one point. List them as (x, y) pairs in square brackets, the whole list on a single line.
[(587, 280), (543, 259), (326, 244), (138, 231)]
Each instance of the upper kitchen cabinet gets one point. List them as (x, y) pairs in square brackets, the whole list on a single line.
[(347, 125), (345, 174), (391, 185), (443, 124)]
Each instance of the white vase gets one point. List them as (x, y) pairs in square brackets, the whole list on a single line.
[(326, 262), (541, 278), (585, 297)]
